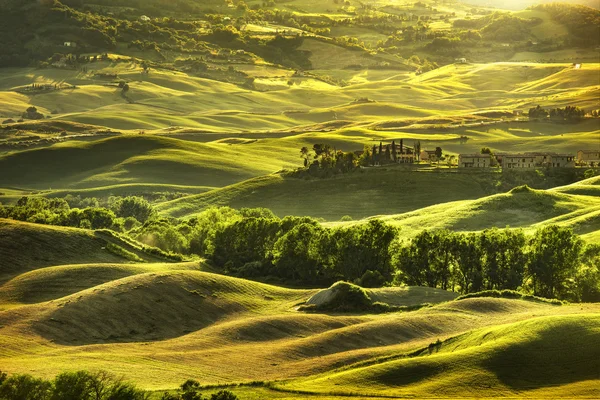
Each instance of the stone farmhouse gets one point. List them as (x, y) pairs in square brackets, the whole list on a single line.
[(588, 157), (474, 160), (517, 160)]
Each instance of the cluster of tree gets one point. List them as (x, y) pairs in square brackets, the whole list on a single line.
[(300, 250), (190, 390), (69, 385), (118, 213), (101, 385), (582, 22), (567, 114), (255, 243), (553, 263), (323, 160)]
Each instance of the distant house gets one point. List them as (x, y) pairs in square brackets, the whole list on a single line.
[(474, 160), (517, 161), (145, 18), (560, 161), (428, 155), (70, 44), (588, 157), (462, 60)]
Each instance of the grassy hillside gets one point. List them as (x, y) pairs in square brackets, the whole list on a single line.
[(26, 247), (357, 194), (518, 359)]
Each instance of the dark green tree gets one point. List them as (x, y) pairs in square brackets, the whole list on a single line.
[(554, 257)]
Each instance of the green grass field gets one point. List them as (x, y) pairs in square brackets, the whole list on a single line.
[(228, 132), (147, 321)]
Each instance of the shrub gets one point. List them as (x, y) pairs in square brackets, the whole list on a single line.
[(223, 395), (25, 387)]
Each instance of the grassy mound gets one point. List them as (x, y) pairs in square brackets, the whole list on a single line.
[(343, 297), (156, 306), (546, 353), (347, 297), (51, 283)]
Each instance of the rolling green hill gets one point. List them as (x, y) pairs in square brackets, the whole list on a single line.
[(508, 360)]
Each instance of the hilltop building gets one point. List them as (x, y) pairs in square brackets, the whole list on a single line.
[(588, 157), (70, 44), (145, 18), (474, 160), (517, 160)]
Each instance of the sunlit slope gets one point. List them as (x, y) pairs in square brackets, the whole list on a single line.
[(549, 356), (576, 206), (52, 283), (25, 247), (358, 194), (163, 99), (156, 306), (138, 159), (221, 329)]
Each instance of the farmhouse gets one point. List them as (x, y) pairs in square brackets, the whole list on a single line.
[(588, 157), (70, 44), (474, 160), (145, 18), (517, 161), (560, 161)]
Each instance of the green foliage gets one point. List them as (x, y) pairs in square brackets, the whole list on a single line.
[(582, 22), (553, 258), (25, 387), (498, 260), (132, 206), (223, 395), (80, 385), (568, 114), (509, 294)]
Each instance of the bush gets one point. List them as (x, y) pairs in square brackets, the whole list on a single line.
[(25, 387), (223, 395), (509, 294)]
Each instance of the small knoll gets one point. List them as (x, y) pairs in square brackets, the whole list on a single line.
[(156, 306), (344, 296)]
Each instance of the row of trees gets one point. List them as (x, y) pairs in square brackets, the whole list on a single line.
[(118, 213), (567, 114), (101, 385), (552, 263), (255, 243)]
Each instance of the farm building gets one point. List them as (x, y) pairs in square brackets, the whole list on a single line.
[(517, 161), (474, 160), (145, 18), (70, 44), (588, 157)]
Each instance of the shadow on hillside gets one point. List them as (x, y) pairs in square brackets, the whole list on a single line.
[(559, 355)]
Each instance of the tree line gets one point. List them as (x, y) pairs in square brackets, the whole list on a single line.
[(254, 243), (85, 385)]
